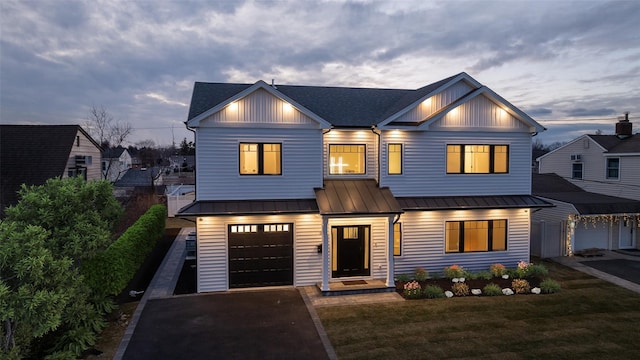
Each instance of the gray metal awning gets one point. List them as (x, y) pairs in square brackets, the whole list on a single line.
[(471, 202), (249, 207), (355, 197)]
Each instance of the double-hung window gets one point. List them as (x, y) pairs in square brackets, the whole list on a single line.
[(347, 159), (394, 159), (260, 159), (613, 168), (477, 159), (475, 236), (576, 171)]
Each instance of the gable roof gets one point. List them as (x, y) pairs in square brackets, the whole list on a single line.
[(339, 106), (113, 153), (615, 145), (552, 186), (31, 154)]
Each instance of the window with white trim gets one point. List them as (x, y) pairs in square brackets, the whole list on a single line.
[(613, 168)]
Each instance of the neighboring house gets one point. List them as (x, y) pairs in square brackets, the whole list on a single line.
[(115, 163), (31, 154), (605, 164), (581, 220), (301, 185), (179, 162)]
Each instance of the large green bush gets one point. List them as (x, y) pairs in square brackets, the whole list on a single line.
[(110, 272)]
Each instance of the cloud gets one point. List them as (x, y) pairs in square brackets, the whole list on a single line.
[(538, 112), (590, 112)]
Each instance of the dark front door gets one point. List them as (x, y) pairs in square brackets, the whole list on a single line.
[(351, 246), (260, 255)]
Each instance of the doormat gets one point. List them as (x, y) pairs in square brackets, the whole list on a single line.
[(354, 282)]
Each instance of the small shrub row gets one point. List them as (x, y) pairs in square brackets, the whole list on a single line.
[(110, 272)]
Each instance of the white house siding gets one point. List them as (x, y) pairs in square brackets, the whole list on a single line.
[(378, 241), (554, 220), (424, 164), (217, 164), (436, 102), (479, 112), (260, 107), (423, 240), (212, 248), (85, 148), (355, 137), (588, 236), (627, 184)]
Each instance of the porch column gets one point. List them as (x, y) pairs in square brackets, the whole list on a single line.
[(326, 254), (390, 268)]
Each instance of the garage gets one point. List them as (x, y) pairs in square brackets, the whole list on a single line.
[(588, 236), (260, 255)]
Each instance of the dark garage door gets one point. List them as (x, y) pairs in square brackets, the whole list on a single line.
[(260, 255)]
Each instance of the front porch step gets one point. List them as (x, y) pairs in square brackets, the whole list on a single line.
[(367, 287)]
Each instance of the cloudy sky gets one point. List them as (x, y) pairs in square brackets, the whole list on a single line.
[(573, 66)]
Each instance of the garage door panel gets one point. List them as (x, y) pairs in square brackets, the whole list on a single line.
[(260, 256)]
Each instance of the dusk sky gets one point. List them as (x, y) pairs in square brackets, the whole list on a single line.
[(572, 66)]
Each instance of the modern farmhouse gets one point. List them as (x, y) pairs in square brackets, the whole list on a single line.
[(302, 185)]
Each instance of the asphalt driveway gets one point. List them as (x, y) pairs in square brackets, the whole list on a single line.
[(622, 268), (272, 324)]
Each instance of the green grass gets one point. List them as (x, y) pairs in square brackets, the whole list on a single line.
[(588, 319)]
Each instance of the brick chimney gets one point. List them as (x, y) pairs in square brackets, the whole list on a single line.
[(624, 128)]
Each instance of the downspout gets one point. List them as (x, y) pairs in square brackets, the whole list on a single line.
[(195, 178), (373, 130)]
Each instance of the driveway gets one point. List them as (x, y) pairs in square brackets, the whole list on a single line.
[(622, 268), (273, 324)]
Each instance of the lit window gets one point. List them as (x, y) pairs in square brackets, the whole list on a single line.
[(475, 236), (276, 228), (397, 239), (346, 159), (260, 159), (613, 168), (576, 171), (477, 159), (394, 160)]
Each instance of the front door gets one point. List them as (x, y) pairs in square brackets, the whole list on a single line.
[(627, 235), (350, 250)]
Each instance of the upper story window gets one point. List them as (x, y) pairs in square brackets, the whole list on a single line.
[(347, 159), (474, 236), (613, 168), (260, 159), (477, 159), (576, 171), (394, 159)]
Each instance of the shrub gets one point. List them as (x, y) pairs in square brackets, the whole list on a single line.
[(520, 286), (420, 274), (412, 290), (549, 286), (492, 290), (485, 275), (497, 270), (403, 278), (537, 271), (433, 292), (522, 270), (460, 289), (453, 271)]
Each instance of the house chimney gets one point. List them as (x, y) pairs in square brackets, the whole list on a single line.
[(624, 127)]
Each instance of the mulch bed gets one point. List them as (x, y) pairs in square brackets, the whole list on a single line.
[(446, 283)]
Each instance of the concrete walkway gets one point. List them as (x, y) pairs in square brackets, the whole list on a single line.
[(575, 262)]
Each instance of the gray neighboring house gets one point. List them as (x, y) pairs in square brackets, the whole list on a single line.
[(580, 220), (137, 179), (115, 163)]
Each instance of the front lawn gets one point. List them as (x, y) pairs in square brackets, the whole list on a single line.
[(588, 319)]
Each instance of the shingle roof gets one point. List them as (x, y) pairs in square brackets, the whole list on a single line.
[(552, 186), (615, 145), (355, 197), (31, 154), (113, 153), (137, 177), (341, 106)]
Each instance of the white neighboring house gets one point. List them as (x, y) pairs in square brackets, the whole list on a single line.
[(605, 164), (580, 220), (301, 185), (115, 163)]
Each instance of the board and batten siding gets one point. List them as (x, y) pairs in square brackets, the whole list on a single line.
[(85, 147), (217, 164), (353, 137), (212, 267), (425, 172), (436, 102), (378, 242), (479, 113), (423, 240)]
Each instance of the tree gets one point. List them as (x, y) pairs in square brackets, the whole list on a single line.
[(43, 242), (187, 148), (108, 131)]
